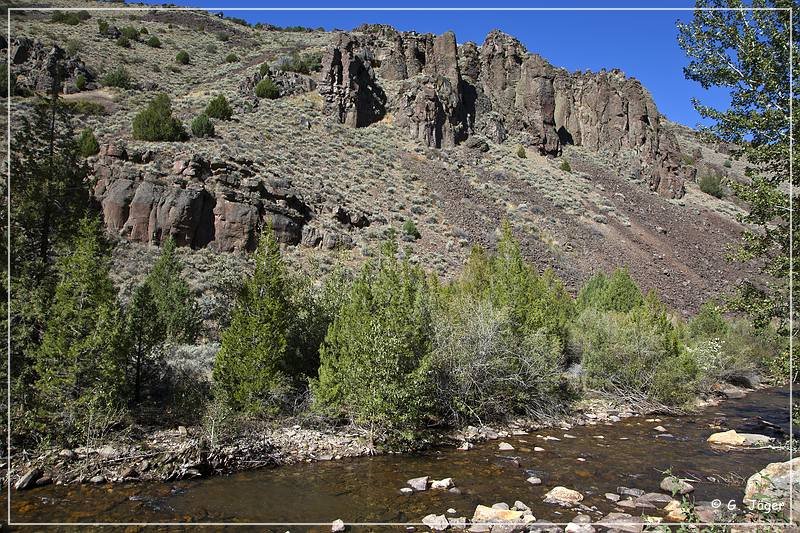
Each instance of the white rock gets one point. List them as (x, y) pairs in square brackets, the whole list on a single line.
[(337, 526), (445, 483), (418, 483), (436, 522), (505, 447)]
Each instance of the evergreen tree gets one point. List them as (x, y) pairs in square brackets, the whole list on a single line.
[(177, 308), (144, 331), (251, 368), (50, 191), (748, 53), (78, 365), (374, 361)]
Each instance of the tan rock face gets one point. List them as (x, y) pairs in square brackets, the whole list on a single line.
[(194, 202), (485, 514), (449, 93)]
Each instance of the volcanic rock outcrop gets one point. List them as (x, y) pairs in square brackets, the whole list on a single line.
[(221, 204), (34, 67), (441, 94)]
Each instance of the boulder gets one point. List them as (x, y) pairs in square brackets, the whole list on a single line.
[(769, 489), (28, 479), (505, 447), (337, 526), (734, 439), (580, 524), (675, 485), (622, 522), (445, 483), (418, 483), (491, 515), (436, 522), (563, 496)]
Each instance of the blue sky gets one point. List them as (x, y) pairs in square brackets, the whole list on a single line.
[(641, 43)]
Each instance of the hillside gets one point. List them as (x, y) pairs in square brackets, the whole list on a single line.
[(392, 127)]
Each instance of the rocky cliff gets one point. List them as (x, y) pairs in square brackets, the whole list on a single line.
[(442, 94)]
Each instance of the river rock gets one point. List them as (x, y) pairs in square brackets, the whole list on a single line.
[(505, 447), (626, 491), (406, 490), (611, 496), (622, 522), (459, 522), (563, 496), (98, 479), (675, 485), (533, 480), (503, 506), (771, 486), (445, 483), (580, 524), (519, 506), (67, 454), (337, 526), (655, 498), (660, 429), (732, 438), (28, 480), (674, 511), (436, 522), (483, 515), (544, 526), (418, 483)]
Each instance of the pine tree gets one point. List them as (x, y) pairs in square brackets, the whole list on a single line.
[(50, 191), (78, 364), (144, 331), (251, 368), (177, 308), (374, 359)]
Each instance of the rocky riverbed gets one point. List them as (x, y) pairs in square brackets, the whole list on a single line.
[(603, 462)]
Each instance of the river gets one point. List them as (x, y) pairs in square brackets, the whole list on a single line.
[(599, 459)]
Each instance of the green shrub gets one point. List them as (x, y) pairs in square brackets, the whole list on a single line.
[(264, 69), (156, 123), (708, 323), (617, 292), (102, 26), (252, 368), (302, 64), (73, 46), (231, 58), (484, 371), (182, 57), (87, 143), (85, 107), (143, 31), (211, 48), (266, 88), (565, 166), (130, 32), (728, 163), (521, 152), (70, 17), (84, 15), (375, 358), (410, 229), (222, 36), (635, 355), (123, 41), (711, 184), (219, 108), (118, 77), (154, 42), (202, 126), (80, 82)]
